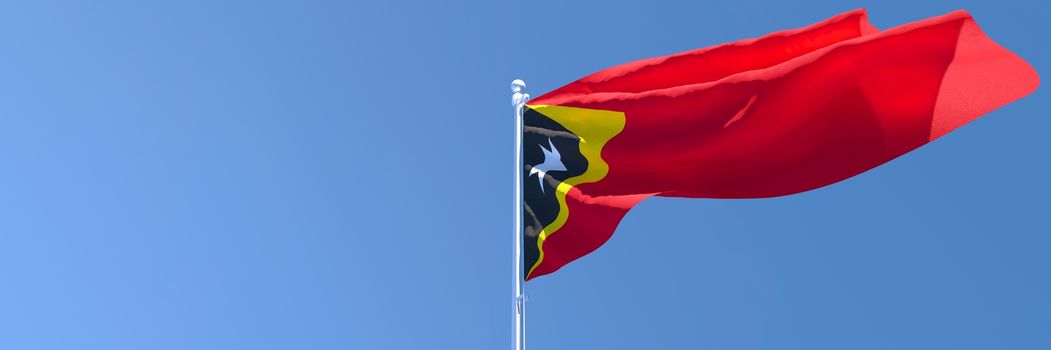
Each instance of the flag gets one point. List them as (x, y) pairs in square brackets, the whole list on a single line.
[(785, 113)]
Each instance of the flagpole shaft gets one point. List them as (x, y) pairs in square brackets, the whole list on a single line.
[(518, 100)]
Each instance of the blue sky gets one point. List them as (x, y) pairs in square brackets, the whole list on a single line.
[(337, 175)]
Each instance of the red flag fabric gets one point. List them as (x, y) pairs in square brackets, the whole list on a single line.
[(782, 114)]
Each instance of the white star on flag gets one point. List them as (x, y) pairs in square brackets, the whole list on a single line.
[(552, 162)]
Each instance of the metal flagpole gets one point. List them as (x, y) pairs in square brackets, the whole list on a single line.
[(518, 100)]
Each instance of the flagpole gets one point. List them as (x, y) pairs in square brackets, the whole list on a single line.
[(518, 100)]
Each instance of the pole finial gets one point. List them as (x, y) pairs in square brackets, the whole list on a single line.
[(519, 98)]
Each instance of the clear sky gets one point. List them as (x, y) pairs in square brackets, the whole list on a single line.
[(337, 175)]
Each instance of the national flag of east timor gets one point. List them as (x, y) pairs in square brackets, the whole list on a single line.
[(785, 113)]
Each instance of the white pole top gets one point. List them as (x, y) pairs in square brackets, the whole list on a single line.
[(517, 85), (519, 98)]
